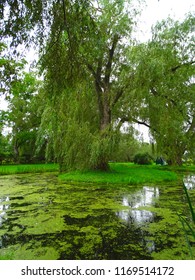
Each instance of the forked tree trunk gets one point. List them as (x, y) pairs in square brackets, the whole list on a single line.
[(101, 77)]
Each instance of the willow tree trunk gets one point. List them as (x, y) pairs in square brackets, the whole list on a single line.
[(104, 131), (102, 78)]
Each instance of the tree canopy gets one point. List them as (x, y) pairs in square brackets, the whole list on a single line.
[(96, 77), (168, 72)]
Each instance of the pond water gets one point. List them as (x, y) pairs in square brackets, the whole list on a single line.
[(44, 218)]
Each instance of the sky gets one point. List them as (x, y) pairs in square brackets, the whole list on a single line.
[(156, 10)]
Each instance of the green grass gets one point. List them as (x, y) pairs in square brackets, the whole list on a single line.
[(8, 256), (183, 168), (122, 173), (27, 168)]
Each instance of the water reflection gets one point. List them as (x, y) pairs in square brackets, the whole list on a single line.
[(143, 197), (189, 182), (3, 208), (132, 216)]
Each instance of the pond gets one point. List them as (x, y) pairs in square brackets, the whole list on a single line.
[(44, 218)]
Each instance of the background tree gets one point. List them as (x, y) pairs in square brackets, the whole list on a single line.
[(9, 67), (24, 116), (5, 145), (166, 72)]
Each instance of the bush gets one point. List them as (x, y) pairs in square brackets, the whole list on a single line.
[(144, 158)]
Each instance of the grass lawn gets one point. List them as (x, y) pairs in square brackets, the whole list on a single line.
[(27, 168), (122, 173)]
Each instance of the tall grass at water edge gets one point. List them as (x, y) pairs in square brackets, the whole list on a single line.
[(27, 168), (188, 226)]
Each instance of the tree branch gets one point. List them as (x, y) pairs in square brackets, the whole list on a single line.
[(142, 123), (181, 65), (130, 119), (96, 74), (110, 60), (90, 68), (98, 83), (66, 25), (118, 95), (155, 93)]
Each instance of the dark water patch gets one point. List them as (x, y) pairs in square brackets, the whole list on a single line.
[(17, 198)]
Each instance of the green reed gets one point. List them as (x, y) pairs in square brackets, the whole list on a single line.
[(188, 226)]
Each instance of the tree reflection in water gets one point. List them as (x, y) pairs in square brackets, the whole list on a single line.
[(3, 208), (133, 215), (142, 198), (189, 181)]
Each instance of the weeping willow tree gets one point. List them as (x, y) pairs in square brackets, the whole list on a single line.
[(96, 78), (84, 65), (168, 71), (83, 48)]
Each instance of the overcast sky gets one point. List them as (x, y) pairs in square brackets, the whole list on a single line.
[(156, 10)]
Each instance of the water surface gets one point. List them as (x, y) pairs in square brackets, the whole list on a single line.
[(43, 218)]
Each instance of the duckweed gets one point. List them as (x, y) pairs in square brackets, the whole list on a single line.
[(42, 217)]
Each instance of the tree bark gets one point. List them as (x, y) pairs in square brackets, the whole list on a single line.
[(101, 76), (105, 122)]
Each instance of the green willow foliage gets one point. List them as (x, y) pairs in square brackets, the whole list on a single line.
[(167, 72), (96, 77), (20, 17), (71, 132), (83, 62), (9, 69)]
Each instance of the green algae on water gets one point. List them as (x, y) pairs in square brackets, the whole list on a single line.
[(43, 218)]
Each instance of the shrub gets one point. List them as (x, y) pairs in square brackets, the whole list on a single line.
[(144, 158)]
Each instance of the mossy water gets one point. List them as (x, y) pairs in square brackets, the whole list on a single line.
[(43, 218)]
